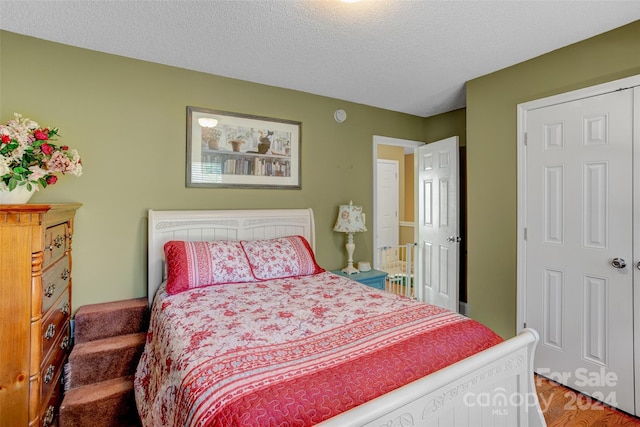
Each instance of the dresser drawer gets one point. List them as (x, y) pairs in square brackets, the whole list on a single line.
[(51, 370), (55, 243), (50, 408), (55, 323), (54, 282)]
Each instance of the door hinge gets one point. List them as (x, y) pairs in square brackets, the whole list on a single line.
[(525, 324), (525, 138), (525, 234)]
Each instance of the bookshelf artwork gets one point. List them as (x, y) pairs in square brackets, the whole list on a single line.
[(234, 150)]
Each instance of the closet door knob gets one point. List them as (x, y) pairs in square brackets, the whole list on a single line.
[(618, 263)]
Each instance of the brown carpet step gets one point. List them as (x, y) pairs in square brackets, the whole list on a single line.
[(104, 359), (104, 404), (109, 319)]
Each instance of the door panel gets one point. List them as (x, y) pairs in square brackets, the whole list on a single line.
[(388, 190), (438, 222), (578, 219)]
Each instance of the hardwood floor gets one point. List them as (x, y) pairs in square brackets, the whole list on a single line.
[(564, 407)]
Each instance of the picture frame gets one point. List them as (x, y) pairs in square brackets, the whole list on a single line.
[(226, 149)]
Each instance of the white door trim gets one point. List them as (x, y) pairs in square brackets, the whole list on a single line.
[(522, 110), (636, 244)]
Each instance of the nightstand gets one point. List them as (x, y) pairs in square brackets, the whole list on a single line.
[(373, 278)]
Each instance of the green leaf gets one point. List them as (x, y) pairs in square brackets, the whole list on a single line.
[(12, 184)]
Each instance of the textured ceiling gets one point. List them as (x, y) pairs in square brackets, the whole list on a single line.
[(401, 55)]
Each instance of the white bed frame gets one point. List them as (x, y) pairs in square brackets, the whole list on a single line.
[(492, 388)]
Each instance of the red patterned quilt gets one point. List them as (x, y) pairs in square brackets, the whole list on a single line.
[(289, 352)]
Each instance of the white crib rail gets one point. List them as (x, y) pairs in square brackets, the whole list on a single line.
[(398, 262)]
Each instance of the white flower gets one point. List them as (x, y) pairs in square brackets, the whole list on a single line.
[(38, 173)]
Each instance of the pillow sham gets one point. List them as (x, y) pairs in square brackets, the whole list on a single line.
[(197, 264), (281, 257)]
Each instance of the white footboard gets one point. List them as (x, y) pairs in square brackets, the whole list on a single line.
[(492, 388)]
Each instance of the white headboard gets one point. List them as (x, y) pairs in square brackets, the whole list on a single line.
[(206, 225)]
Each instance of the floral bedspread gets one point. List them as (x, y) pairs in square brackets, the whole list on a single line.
[(289, 352)]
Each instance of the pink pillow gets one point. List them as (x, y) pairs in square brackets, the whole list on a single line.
[(197, 264), (282, 257)]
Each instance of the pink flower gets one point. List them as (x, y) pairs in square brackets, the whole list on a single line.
[(41, 135), (52, 179), (31, 158), (46, 149)]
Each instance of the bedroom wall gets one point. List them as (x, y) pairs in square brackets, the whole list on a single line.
[(492, 157), (127, 118)]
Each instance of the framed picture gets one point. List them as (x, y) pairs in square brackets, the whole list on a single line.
[(238, 150)]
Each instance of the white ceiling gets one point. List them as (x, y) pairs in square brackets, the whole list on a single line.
[(401, 55)]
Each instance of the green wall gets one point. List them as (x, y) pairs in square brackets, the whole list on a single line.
[(492, 157), (127, 118), (442, 126)]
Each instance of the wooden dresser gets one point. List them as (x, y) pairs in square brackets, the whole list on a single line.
[(35, 308)]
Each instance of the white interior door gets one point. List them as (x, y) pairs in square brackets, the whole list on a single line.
[(388, 200), (579, 217), (437, 222)]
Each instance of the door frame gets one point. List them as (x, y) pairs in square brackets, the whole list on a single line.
[(385, 140), (522, 110)]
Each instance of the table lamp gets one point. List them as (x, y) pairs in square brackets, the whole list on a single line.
[(350, 220)]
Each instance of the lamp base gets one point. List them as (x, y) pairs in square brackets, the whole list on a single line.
[(350, 270)]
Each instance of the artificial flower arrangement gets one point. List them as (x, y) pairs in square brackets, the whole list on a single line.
[(28, 156)]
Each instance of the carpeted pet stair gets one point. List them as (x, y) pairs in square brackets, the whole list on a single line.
[(109, 339)]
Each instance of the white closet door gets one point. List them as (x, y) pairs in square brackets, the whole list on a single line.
[(579, 201)]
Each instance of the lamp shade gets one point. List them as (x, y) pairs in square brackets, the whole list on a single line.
[(350, 219)]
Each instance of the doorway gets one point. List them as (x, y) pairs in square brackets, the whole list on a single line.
[(385, 148), (407, 227)]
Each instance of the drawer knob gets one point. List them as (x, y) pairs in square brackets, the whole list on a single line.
[(50, 290), (65, 274), (65, 309), (51, 331), (48, 417), (65, 343), (48, 376), (57, 242)]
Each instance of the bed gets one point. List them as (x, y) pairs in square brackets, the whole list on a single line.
[(299, 345)]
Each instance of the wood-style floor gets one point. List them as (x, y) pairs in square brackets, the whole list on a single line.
[(564, 407)]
